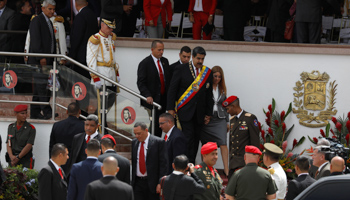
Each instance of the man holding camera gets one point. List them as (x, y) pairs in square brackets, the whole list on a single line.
[(319, 160), (180, 186)]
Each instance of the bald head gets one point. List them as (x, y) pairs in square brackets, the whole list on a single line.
[(110, 166), (251, 158), (337, 164)]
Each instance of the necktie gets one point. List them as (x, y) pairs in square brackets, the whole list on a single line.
[(52, 35), (197, 72), (166, 137), (88, 139), (316, 173), (60, 171), (161, 76), (142, 164)]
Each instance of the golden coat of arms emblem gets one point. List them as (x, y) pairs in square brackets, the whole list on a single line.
[(313, 106)]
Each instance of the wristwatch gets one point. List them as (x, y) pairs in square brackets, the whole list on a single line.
[(18, 157)]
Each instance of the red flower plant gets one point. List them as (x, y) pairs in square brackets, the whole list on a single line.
[(334, 120), (262, 147), (338, 126), (272, 141), (283, 113), (322, 133), (284, 146), (263, 134), (270, 108), (276, 122), (267, 122), (335, 137), (259, 125), (348, 115), (347, 138), (270, 131), (289, 170), (348, 125), (295, 142), (290, 154), (268, 114), (332, 132), (315, 140), (283, 127)]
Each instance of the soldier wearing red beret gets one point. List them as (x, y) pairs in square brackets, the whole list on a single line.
[(252, 181), (244, 131), (20, 140), (208, 174)]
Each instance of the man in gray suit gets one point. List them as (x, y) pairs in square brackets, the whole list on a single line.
[(320, 161), (7, 18)]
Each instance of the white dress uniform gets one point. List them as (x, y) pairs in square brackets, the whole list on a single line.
[(280, 178), (101, 57), (60, 35)]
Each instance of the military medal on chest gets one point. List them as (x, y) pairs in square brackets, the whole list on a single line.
[(106, 44)]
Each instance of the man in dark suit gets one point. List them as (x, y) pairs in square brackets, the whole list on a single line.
[(108, 145), (185, 56), (7, 19), (131, 11), (185, 185), (304, 180), (153, 80), (80, 140), (195, 110), (337, 166), (149, 163), (109, 186), (84, 25), (112, 9), (65, 130), (175, 140), (42, 40), (52, 180), (319, 161), (85, 172), (244, 131)]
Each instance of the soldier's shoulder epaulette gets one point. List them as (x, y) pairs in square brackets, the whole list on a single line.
[(59, 19), (271, 170), (114, 36), (33, 16), (32, 126), (95, 39), (11, 124), (198, 166), (233, 117), (248, 115)]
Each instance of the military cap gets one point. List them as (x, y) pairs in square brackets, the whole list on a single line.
[(209, 147), (110, 137), (252, 149), (272, 149), (20, 108), (109, 22), (229, 100)]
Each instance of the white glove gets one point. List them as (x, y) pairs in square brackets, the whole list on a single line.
[(118, 79), (98, 84)]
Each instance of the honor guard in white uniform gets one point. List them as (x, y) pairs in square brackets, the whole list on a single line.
[(271, 157), (60, 35), (101, 55)]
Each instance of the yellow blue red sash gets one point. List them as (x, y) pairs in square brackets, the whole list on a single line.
[(195, 86)]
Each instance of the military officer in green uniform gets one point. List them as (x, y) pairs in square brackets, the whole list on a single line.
[(244, 130), (208, 174), (20, 140), (252, 181)]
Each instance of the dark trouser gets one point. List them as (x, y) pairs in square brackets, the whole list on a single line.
[(234, 34), (309, 32), (277, 36), (40, 94), (142, 191), (129, 23), (191, 129)]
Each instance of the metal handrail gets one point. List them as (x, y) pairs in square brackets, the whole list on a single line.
[(90, 70)]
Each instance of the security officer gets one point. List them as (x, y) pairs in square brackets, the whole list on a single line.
[(244, 131), (271, 158), (208, 174), (101, 57), (20, 140), (252, 181)]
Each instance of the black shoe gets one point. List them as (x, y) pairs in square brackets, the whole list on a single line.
[(38, 116), (50, 116)]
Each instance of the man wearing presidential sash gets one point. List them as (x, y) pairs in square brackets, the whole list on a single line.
[(190, 97)]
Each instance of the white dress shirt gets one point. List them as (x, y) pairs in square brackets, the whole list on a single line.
[(280, 179)]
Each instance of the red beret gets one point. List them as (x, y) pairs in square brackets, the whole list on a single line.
[(229, 100), (209, 147), (20, 108), (110, 137), (252, 149)]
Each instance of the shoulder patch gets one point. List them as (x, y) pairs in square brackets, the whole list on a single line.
[(32, 126), (95, 39), (114, 36), (59, 19), (198, 166), (248, 114), (33, 16)]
